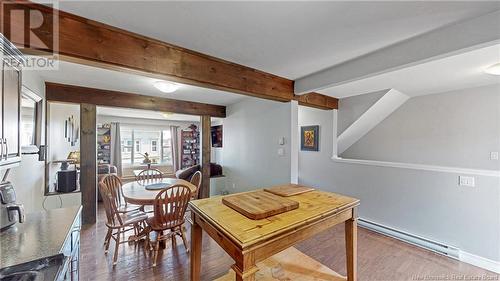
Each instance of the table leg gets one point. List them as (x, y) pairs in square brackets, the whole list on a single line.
[(351, 244), (196, 238), (163, 243), (245, 269)]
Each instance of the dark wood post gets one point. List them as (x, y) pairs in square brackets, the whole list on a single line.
[(205, 156), (88, 160)]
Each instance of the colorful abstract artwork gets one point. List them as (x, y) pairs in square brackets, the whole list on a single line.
[(309, 138)]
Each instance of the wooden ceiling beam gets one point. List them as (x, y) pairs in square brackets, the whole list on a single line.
[(93, 43), (317, 100), (77, 94)]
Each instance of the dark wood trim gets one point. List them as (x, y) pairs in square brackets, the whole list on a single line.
[(205, 124), (88, 162), (46, 148), (93, 43), (317, 100), (77, 94)]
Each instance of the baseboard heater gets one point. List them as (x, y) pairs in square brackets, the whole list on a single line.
[(434, 246)]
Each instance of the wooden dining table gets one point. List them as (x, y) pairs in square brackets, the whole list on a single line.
[(136, 193), (250, 242)]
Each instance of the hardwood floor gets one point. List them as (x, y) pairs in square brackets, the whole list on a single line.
[(379, 258)]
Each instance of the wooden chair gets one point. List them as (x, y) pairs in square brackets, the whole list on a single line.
[(114, 183), (149, 175), (118, 222), (169, 209), (196, 181)]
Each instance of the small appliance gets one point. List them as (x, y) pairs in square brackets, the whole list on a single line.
[(66, 181), (10, 212)]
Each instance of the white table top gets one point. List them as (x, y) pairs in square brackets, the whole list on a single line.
[(136, 192)]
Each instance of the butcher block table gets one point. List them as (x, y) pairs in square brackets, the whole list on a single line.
[(249, 241)]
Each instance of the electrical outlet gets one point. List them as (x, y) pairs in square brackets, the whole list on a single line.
[(281, 151), (466, 181), (494, 155), (234, 186)]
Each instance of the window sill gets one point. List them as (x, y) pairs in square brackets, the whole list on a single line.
[(53, 193)]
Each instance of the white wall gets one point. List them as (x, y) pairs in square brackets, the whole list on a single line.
[(351, 108), (425, 203), (457, 129), (216, 153), (252, 130), (28, 178), (59, 148)]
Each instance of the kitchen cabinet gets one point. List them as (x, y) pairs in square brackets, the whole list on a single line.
[(71, 250), (10, 105)]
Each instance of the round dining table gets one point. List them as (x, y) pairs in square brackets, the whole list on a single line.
[(136, 193)]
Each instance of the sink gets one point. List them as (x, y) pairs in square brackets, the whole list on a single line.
[(45, 269), (22, 276)]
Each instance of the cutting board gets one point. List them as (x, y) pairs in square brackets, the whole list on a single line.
[(259, 204), (288, 189)]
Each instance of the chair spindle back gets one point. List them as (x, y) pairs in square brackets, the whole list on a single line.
[(149, 175), (170, 206), (110, 204), (196, 181)]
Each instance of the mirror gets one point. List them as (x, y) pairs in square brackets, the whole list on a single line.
[(31, 107)]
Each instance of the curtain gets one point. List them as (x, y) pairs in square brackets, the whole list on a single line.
[(116, 149), (176, 149)]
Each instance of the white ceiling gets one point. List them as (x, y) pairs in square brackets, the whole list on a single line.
[(290, 39), (146, 114), (451, 73), (93, 77)]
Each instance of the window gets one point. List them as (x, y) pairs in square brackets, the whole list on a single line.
[(136, 141), (154, 146), (126, 135), (31, 107), (166, 147), (28, 114), (138, 146), (127, 146)]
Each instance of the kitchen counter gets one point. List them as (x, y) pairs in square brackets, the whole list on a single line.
[(43, 234)]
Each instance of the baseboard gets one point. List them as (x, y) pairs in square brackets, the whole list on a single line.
[(481, 262), (437, 247)]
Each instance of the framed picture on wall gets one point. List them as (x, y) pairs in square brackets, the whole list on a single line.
[(309, 138), (216, 136)]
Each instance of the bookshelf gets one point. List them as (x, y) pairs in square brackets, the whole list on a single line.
[(104, 143), (190, 143)]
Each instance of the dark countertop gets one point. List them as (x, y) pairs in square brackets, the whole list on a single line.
[(41, 235)]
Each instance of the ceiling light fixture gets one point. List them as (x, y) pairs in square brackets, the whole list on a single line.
[(167, 115), (166, 87), (493, 69)]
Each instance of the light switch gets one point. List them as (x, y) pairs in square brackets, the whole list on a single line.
[(281, 141), (494, 155), (466, 181)]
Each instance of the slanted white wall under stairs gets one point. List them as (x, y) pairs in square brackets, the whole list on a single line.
[(387, 104)]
